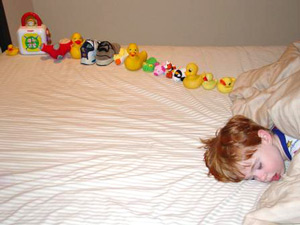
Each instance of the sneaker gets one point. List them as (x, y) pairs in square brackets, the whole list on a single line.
[(88, 52), (105, 52)]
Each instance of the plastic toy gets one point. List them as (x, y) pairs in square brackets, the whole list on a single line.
[(149, 64), (179, 75), (57, 51), (159, 69), (12, 50), (209, 82), (192, 80), (120, 58), (77, 42), (169, 69), (134, 60), (105, 52), (88, 52), (225, 84), (32, 34)]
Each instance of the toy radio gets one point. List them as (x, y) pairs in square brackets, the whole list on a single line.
[(32, 34)]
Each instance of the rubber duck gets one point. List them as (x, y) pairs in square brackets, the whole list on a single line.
[(149, 65), (159, 69), (170, 68), (192, 80), (77, 42), (225, 84), (134, 60), (12, 50), (121, 56), (209, 82), (179, 75)]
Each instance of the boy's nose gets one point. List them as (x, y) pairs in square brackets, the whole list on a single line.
[(262, 177)]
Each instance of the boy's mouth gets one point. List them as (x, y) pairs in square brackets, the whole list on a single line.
[(276, 177)]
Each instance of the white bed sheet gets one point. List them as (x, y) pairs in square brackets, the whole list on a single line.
[(103, 145)]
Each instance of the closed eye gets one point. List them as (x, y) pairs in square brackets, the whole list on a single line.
[(260, 166)]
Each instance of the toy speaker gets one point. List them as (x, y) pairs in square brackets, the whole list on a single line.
[(32, 34)]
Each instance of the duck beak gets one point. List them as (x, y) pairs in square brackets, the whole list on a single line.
[(205, 78), (132, 54), (223, 82)]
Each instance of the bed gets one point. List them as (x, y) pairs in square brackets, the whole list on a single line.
[(104, 145)]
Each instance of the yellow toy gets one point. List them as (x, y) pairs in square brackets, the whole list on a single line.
[(192, 80), (225, 84), (77, 42), (209, 82), (12, 50), (134, 60), (120, 58)]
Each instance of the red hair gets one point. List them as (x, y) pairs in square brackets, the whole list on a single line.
[(237, 141)]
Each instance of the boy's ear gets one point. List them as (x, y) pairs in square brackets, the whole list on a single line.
[(265, 136)]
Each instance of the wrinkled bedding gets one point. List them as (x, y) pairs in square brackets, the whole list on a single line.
[(103, 145), (270, 95)]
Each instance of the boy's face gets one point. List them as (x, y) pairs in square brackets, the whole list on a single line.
[(266, 164)]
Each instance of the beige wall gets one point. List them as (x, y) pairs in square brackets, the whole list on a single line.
[(14, 10), (166, 22)]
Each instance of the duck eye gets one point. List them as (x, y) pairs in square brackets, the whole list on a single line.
[(190, 70)]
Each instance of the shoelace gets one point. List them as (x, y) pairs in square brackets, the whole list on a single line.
[(104, 46)]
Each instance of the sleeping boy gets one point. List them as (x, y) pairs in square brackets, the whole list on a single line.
[(244, 150)]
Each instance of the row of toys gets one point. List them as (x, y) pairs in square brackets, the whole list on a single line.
[(34, 38)]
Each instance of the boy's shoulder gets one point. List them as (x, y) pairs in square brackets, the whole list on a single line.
[(290, 144)]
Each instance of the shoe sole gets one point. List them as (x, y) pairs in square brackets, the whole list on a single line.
[(104, 62), (87, 62)]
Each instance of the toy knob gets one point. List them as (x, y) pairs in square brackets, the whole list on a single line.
[(31, 15)]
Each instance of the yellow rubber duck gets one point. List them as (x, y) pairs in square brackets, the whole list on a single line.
[(120, 58), (77, 42), (12, 50), (192, 80), (134, 60), (225, 84), (209, 82)]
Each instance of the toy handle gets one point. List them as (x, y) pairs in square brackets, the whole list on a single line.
[(26, 15)]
